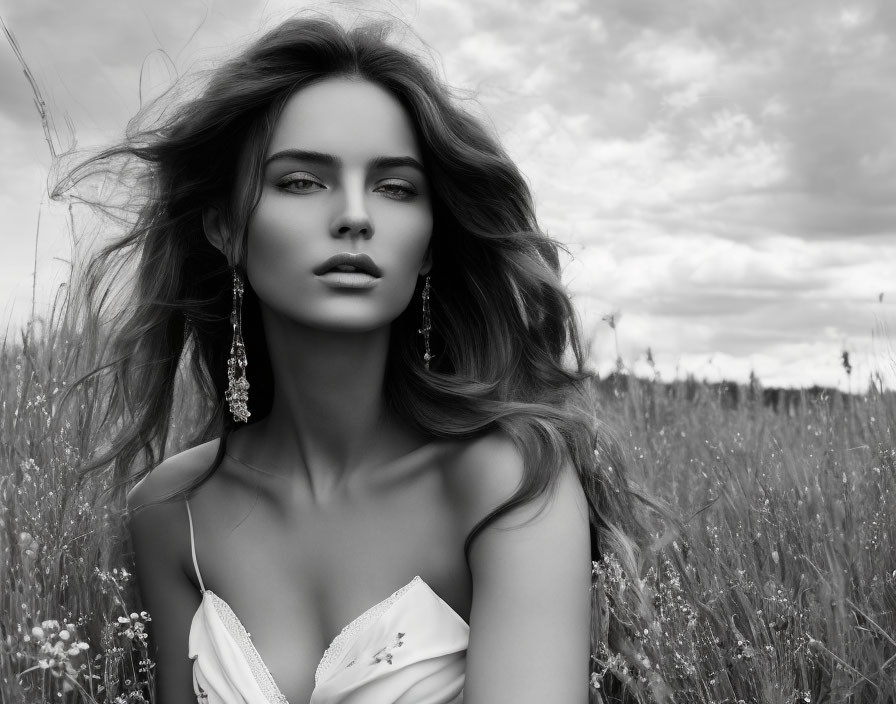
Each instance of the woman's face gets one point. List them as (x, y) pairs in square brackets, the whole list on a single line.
[(343, 225)]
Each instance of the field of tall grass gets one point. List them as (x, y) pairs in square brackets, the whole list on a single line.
[(783, 586), (781, 589)]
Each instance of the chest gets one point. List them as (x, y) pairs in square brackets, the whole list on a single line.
[(296, 579)]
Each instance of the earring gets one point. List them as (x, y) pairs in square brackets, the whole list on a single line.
[(427, 323), (237, 394)]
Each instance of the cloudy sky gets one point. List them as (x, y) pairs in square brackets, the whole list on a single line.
[(724, 172)]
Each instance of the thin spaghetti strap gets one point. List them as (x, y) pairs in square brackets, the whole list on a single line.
[(193, 546)]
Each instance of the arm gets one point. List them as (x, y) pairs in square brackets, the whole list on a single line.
[(161, 539), (530, 619)]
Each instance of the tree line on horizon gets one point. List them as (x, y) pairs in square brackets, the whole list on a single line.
[(731, 394)]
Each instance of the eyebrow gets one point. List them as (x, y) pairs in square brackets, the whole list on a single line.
[(380, 162)]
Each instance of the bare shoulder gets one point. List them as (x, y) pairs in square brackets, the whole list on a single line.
[(490, 465), (158, 528), (175, 473), (482, 474)]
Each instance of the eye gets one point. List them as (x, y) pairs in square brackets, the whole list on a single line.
[(397, 189), (299, 182)]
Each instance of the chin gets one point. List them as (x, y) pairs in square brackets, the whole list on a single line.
[(343, 322), (348, 314), (349, 326)]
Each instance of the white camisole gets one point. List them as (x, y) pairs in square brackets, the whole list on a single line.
[(408, 649)]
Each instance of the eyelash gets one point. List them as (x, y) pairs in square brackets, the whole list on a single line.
[(397, 191), (405, 192), (291, 180)]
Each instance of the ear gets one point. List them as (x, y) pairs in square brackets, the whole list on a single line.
[(215, 230)]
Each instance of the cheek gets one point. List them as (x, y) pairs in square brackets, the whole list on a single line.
[(271, 231), (406, 239), (281, 239), (412, 239), (270, 259)]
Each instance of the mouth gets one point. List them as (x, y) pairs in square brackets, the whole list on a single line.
[(349, 263)]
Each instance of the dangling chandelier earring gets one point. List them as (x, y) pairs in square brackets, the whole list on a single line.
[(427, 323), (237, 394)]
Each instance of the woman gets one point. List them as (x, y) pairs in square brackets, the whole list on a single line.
[(399, 495)]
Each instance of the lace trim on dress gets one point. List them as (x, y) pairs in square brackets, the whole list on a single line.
[(259, 670), (346, 635)]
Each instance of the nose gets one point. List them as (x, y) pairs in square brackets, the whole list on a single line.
[(352, 218)]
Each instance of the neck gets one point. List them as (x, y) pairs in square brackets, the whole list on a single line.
[(328, 418)]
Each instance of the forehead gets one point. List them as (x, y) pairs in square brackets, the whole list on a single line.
[(347, 118)]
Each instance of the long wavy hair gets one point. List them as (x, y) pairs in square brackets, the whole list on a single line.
[(505, 336)]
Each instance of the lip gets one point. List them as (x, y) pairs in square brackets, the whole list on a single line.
[(348, 279), (363, 263)]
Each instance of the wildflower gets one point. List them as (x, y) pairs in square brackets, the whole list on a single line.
[(56, 651), (133, 628)]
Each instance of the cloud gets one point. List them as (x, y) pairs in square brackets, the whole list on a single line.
[(765, 120), (723, 172)]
